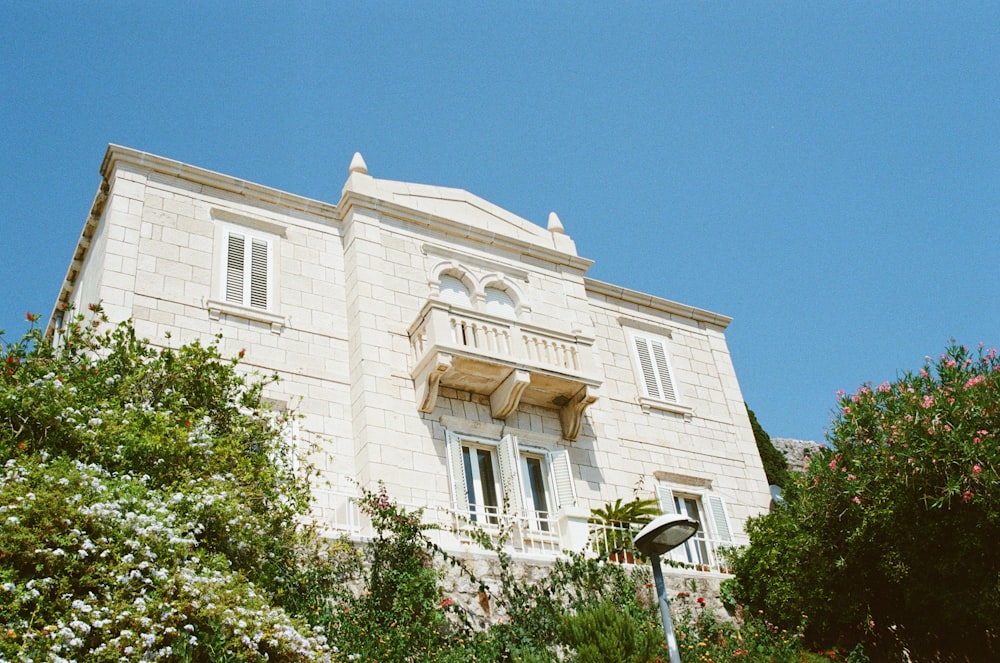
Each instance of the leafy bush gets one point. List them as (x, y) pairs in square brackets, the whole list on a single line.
[(604, 632), (142, 512), (889, 539)]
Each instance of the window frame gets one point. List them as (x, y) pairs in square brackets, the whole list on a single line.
[(513, 483), (653, 371), (712, 516), (221, 303)]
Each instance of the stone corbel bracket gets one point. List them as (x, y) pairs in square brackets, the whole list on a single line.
[(571, 414), (505, 398), (429, 379)]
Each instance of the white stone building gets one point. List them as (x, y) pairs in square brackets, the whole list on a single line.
[(437, 343)]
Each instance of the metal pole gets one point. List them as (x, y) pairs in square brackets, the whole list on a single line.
[(665, 618)]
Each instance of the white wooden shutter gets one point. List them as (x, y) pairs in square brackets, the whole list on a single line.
[(562, 478), (235, 259), (453, 291), (655, 368), (663, 371), (259, 269), (666, 499), (510, 476), (456, 469), (499, 303), (716, 508)]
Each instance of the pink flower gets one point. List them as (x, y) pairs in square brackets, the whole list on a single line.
[(967, 495), (846, 411), (977, 468), (833, 464), (851, 477), (856, 499), (446, 602), (979, 379), (927, 402)]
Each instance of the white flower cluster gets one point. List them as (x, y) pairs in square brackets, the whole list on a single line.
[(147, 593)]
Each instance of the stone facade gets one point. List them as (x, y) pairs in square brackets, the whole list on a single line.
[(436, 343)]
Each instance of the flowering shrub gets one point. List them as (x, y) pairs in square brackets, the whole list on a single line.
[(144, 509), (890, 536)]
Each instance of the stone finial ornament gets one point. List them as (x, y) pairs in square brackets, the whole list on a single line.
[(555, 225), (358, 164)]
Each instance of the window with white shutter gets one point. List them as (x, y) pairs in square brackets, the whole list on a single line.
[(248, 270), (493, 478), (653, 364), (714, 532)]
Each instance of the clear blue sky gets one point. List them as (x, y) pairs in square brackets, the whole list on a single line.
[(828, 174)]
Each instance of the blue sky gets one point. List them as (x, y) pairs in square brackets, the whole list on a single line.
[(827, 174)]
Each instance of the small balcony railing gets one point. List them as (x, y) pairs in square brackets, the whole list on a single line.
[(699, 553), (508, 360)]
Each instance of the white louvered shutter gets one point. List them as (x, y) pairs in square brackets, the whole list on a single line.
[(665, 496), (456, 470), (235, 260), (655, 368), (499, 303), (510, 476), (562, 478), (453, 291), (716, 507), (259, 269)]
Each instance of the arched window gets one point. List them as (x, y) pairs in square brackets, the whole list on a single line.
[(454, 291), (498, 302)]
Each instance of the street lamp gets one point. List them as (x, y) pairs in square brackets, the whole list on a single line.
[(658, 537)]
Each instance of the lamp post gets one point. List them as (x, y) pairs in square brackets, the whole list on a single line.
[(658, 537)]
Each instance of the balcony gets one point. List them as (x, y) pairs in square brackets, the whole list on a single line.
[(509, 361)]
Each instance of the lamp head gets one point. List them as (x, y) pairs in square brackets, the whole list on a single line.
[(664, 534)]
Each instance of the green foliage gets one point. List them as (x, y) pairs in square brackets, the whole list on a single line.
[(620, 520), (401, 614), (604, 632), (143, 512), (702, 637), (889, 539), (775, 463)]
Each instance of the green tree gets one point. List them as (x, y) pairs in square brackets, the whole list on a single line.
[(146, 511), (775, 463), (890, 537)]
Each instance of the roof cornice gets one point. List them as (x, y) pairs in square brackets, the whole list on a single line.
[(458, 229), (118, 155), (656, 303)]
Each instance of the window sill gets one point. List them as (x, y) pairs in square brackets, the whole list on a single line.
[(217, 308), (653, 404)]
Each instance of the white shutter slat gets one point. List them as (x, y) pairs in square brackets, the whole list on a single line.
[(562, 478), (717, 514), (510, 475), (258, 273), (663, 371), (666, 499), (646, 366), (235, 248), (456, 468)]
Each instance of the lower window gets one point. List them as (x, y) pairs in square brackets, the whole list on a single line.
[(494, 479), (709, 511)]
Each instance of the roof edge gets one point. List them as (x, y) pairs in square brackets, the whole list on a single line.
[(657, 303), (352, 198), (118, 154)]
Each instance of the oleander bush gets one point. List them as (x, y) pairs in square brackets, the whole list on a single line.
[(890, 537)]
